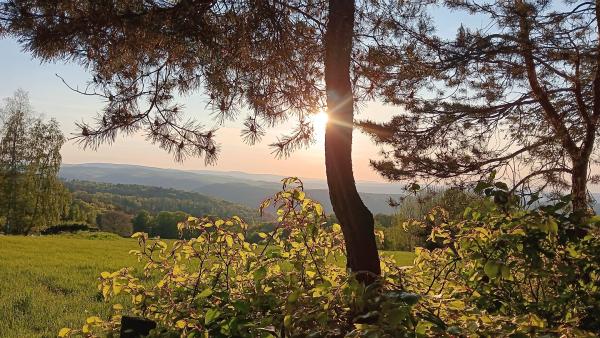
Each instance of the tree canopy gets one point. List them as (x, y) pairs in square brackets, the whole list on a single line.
[(275, 60), (520, 94)]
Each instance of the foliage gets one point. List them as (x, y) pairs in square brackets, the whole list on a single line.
[(67, 227), (525, 93), (504, 271), (142, 222), (83, 211), (406, 232), (132, 199), (31, 195), (165, 224), (115, 221), (220, 285), (509, 272), (278, 60)]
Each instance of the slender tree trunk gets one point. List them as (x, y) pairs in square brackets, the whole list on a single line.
[(356, 220), (579, 186)]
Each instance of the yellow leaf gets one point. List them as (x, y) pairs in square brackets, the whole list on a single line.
[(118, 307), (319, 209), (219, 222), (457, 304), (229, 240), (105, 274), (85, 329), (337, 227), (180, 324), (93, 320), (64, 332)]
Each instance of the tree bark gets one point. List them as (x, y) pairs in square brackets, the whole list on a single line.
[(354, 217), (579, 197)]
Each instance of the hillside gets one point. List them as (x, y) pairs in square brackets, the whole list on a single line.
[(132, 198), (242, 188)]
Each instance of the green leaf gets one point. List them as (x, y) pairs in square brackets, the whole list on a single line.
[(260, 273), (457, 304), (211, 315), (505, 272), (205, 293), (491, 269), (287, 321), (293, 297)]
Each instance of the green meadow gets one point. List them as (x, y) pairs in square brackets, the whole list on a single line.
[(49, 282)]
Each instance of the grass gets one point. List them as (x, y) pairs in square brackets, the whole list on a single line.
[(50, 282)]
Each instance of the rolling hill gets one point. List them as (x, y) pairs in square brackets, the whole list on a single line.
[(242, 188)]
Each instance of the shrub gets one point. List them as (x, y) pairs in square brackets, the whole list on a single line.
[(115, 221), (507, 272), (292, 284), (67, 227)]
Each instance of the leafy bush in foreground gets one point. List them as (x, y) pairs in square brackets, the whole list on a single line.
[(510, 272), (220, 285), (507, 272)]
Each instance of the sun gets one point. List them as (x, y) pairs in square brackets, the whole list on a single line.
[(320, 120)]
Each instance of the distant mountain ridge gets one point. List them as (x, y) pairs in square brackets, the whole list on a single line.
[(238, 187)]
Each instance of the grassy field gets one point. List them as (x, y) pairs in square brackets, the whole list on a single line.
[(50, 282)]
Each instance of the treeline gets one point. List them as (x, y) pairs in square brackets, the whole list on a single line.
[(126, 208), (132, 198)]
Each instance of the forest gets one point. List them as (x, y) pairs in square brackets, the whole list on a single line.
[(493, 124)]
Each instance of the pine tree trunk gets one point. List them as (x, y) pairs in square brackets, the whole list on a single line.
[(579, 187), (354, 217)]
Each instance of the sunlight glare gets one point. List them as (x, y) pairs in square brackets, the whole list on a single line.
[(320, 123)]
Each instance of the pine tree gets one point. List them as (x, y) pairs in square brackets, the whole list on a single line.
[(523, 91), (279, 60)]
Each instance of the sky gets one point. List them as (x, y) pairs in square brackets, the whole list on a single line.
[(50, 97)]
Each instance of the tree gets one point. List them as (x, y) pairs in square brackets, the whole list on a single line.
[(31, 193), (141, 222), (115, 221), (13, 147), (48, 197), (278, 59), (525, 92), (165, 224)]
